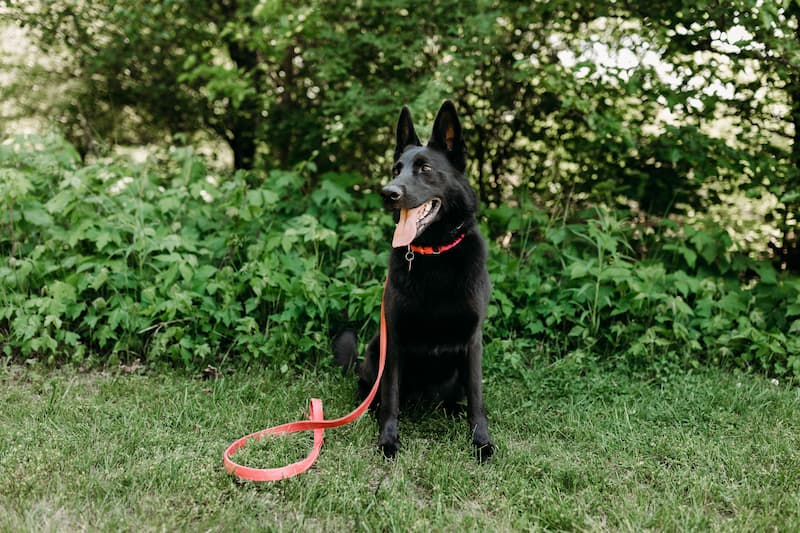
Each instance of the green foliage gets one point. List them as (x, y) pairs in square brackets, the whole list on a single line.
[(675, 298), (672, 107), (166, 262), (594, 101)]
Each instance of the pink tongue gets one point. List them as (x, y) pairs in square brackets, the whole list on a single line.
[(406, 229)]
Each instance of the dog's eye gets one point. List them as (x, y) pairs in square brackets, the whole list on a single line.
[(425, 168), (396, 170)]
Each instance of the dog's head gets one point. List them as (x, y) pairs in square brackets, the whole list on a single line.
[(428, 184)]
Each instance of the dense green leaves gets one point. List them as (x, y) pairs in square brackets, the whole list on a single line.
[(654, 304), (168, 262), (637, 166), (671, 105)]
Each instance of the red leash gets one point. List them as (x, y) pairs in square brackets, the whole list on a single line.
[(316, 423)]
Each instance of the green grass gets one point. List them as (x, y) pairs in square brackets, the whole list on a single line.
[(106, 451)]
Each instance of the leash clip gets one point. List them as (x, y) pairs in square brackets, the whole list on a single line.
[(409, 257)]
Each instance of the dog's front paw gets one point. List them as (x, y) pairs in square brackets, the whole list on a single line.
[(389, 448), (389, 440), (483, 450)]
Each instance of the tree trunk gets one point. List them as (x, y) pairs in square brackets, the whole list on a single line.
[(243, 145), (245, 119), (788, 253)]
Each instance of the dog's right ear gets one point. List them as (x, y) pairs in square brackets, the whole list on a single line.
[(406, 135)]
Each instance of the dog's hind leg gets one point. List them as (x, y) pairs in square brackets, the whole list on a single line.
[(345, 350), (367, 370)]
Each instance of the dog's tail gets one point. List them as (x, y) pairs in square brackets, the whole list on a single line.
[(345, 350)]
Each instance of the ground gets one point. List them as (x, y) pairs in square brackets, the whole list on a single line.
[(130, 451)]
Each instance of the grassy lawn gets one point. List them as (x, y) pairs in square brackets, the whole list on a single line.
[(599, 451)]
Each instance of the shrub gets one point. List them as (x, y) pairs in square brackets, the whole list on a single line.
[(653, 299), (167, 262), (170, 263)]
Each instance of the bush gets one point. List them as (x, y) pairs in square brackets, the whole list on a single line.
[(163, 261), (167, 262), (648, 299)]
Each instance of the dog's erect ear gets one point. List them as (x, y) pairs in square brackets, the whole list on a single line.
[(406, 135), (447, 136)]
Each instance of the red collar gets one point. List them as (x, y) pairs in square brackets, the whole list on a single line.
[(432, 250), (436, 250)]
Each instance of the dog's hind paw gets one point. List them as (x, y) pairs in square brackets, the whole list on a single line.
[(455, 410)]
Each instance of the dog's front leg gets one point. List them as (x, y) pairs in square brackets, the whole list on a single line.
[(389, 440), (473, 383)]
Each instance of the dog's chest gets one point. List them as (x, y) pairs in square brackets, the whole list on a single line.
[(436, 326)]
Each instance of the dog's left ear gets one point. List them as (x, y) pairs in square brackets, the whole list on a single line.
[(447, 135)]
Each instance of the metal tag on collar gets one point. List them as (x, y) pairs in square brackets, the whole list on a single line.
[(409, 257)]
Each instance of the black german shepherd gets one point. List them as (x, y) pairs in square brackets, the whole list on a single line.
[(437, 290)]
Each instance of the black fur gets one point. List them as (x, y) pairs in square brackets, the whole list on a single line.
[(435, 310)]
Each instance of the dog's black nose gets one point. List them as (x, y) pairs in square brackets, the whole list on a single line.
[(392, 194)]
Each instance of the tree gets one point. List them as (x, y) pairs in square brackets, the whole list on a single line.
[(137, 72), (666, 108), (739, 67)]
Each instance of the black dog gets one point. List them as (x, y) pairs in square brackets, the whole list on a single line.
[(438, 286)]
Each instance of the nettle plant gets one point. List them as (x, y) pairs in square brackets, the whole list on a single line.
[(653, 299), (165, 262), (173, 264)]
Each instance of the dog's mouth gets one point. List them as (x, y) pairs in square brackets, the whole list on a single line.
[(414, 221)]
